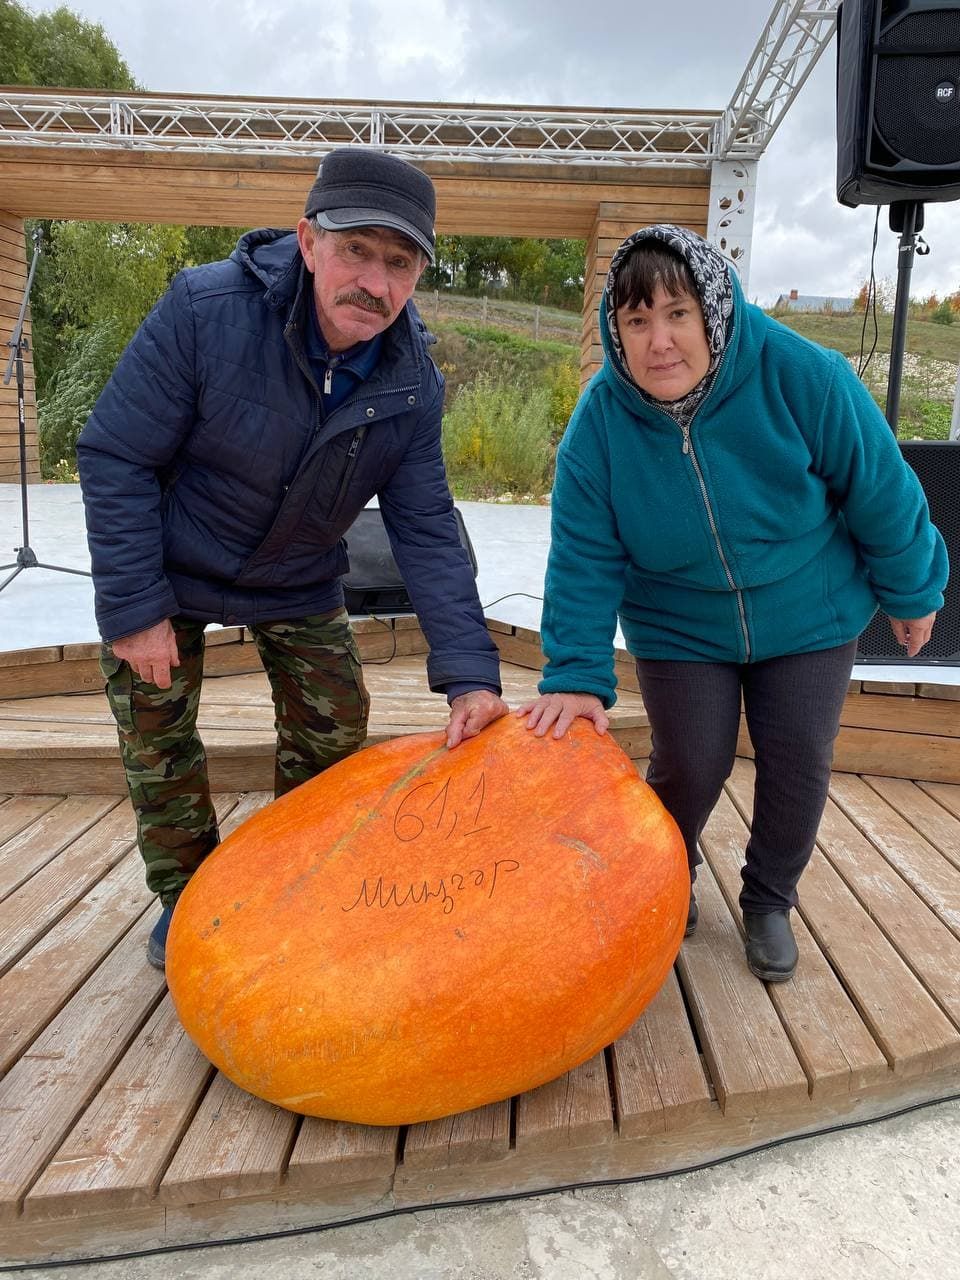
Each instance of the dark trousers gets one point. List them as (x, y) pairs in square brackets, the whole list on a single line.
[(792, 706)]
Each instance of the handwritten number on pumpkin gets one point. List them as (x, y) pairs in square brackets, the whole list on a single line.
[(409, 825)]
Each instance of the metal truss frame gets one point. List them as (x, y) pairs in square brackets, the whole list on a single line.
[(797, 32), (416, 131), (795, 35)]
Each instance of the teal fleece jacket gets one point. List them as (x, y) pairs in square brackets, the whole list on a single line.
[(775, 525)]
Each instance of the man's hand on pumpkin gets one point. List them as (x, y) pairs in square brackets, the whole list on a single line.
[(471, 712)]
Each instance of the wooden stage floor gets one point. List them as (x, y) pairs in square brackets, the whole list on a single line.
[(116, 1134)]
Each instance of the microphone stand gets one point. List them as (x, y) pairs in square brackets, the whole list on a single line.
[(26, 557)]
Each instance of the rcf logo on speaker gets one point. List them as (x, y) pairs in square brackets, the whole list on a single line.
[(946, 91)]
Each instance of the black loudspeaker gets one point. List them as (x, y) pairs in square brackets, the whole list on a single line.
[(937, 464), (374, 584), (898, 101)]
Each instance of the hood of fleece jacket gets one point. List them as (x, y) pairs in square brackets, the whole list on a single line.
[(733, 335)]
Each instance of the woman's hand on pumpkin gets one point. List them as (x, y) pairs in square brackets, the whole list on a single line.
[(561, 709), (471, 712), (912, 633)]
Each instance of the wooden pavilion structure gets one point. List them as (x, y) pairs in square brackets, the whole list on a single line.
[(598, 203), (116, 1134), (590, 173)]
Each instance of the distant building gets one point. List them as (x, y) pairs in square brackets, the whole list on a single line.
[(794, 301)]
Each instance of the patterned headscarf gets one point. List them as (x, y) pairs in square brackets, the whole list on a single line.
[(709, 271)]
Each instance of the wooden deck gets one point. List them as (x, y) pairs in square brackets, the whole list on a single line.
[(116, 1134)]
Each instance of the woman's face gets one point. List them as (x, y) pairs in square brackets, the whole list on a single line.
[(665, 346)]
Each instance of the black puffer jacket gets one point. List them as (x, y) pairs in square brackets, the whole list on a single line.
[(215, 488)]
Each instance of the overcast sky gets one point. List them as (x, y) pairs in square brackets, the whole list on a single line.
[(688, 54)]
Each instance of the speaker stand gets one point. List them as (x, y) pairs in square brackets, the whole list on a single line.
[(906, 217)]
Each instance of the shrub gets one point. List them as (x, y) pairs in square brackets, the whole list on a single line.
[(498, 437), (943, 314), (71, 394)]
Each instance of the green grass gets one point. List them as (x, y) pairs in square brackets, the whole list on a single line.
[(842, 333)]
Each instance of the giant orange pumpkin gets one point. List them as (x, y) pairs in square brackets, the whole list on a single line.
[(419, 931)]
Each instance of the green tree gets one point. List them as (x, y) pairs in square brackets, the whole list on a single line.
[(58, 50), (112, 271)]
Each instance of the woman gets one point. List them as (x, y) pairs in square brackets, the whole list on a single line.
[(732, 492)]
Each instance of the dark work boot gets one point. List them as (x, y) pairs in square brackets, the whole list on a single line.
[(693, 915), (157, 942), (771, 949)]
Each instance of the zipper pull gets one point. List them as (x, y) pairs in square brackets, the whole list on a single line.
[(328, 382), (354, 446), (686, 439)]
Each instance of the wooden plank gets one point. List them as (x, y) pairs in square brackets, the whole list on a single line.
[(912, 1031), (32, 848), (936, 824), (37, 905), (932, 877), (495, 627), (950, 691), (658, 1077), (115, 1156), (837, 1052), (34, 991), (890, 688), (472, 1137), (44, 1093), (901, 714), (119, 1152), (945, 794), (752, 1065), (51, 677), (235, 1145), (329, 1152), (923, 942), (572, 1111), (30, 657), (888, 753), (520, 651), (19, 812)]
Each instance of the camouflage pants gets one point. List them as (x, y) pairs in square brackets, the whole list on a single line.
[(320, 705)]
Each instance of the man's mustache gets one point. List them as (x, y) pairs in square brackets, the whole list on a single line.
[(360, 298)]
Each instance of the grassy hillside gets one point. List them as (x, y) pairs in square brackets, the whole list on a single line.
[(842, 333)]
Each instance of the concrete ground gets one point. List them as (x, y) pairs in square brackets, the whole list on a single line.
[(881, 1202), (878, 1203)]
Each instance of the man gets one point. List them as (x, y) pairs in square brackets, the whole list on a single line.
[(259, 407)]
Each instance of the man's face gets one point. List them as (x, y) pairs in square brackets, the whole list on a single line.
[(362, 279)]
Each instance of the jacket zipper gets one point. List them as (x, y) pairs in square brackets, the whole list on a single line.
[(355, 444), (347, 472), (690, 452)]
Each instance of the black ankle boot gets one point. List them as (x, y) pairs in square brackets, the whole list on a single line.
[(771, 949), (693, 915)]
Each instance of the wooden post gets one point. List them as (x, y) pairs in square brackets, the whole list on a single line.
[(484, 309), (13, 278), (536, 324)]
